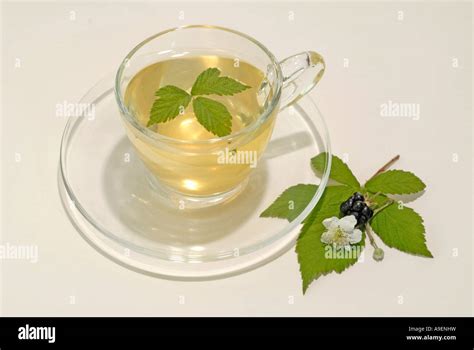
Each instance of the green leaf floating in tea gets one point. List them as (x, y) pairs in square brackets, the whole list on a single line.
[(212, 115), (171, 100), (210, 83)]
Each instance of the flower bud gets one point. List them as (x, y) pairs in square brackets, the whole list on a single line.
[(378, 254)]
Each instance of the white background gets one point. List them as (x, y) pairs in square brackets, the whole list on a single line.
[(409, 61)]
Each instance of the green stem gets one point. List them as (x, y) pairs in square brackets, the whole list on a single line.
[(370, 195), (370, 234), (377, 210)]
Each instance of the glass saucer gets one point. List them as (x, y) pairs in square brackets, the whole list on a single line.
[(106, 194)]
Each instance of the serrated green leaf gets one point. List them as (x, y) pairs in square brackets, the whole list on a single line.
[(340, 172), (213, 115), (291, 202), (311, 251), (395, 182), (210, 83), (401, 229), (168, 105)]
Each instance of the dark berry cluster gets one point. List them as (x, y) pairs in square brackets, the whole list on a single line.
[(355, 205)]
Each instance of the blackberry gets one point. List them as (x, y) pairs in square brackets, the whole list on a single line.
[(350, 201), (356, 214), (355, 205), (367, 212), (358, 197), (362, 220), (358, 206), (345, 207)]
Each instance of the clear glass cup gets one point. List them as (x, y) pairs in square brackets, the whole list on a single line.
[(192, 173)]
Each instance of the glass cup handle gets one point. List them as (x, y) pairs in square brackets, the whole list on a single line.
[(301, 72)]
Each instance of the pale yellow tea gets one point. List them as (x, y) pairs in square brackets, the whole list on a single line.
[(190, 162)]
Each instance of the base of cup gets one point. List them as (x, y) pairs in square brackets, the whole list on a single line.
[(180, 200)]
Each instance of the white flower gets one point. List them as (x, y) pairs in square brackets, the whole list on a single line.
[(341, 232)]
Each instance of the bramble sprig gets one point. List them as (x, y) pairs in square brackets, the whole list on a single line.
[(346, 213)]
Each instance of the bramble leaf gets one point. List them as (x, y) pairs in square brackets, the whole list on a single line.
[(340, 172), (170, 102), (213, 115), (209, 82)]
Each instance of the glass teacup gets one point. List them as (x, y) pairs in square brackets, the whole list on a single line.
[(186, 164)]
